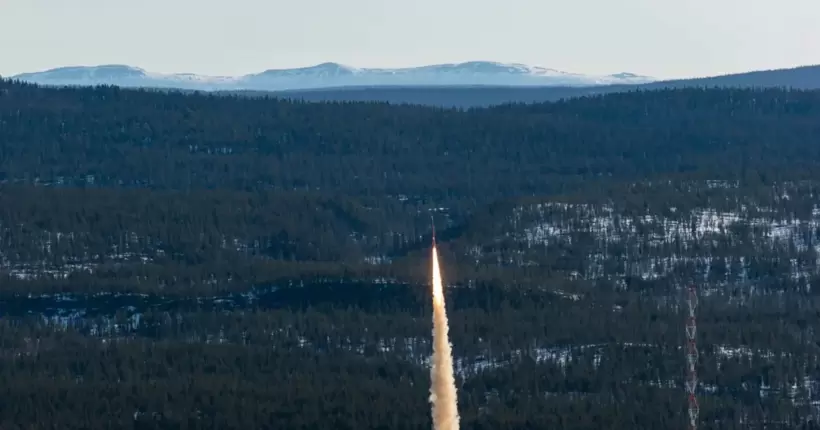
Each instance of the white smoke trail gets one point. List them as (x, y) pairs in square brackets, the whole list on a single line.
[(443, 388)]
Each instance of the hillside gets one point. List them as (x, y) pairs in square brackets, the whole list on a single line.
[(804, 77), (108, 136), (357, 178), (231, 262)]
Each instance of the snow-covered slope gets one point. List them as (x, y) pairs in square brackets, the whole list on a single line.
[(331, 75), (125, 76)]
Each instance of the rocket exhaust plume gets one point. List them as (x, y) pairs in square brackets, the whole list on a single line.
[(443, 388)]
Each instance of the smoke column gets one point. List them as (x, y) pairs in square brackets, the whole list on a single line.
[(443, 388)]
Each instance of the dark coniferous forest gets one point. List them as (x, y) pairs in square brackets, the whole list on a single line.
[(200, 261)]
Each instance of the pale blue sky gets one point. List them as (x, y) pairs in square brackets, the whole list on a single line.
[(661, 38)]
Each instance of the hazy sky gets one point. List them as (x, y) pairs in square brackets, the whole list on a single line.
[(661, 38)]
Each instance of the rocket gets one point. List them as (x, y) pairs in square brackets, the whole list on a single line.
[(433, 223)]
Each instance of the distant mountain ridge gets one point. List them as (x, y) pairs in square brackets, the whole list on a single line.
[(464, 85), (802, 78), (329, 75)]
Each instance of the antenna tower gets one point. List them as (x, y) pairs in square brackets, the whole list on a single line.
[(692, 358)]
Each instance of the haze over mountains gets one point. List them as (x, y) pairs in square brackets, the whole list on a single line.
[(331, 75)]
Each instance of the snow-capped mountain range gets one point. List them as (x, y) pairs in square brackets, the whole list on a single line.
[(328, 75)]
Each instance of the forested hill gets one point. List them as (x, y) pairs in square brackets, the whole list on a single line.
[(346, 184), (195, 261), (108, 136), (804, 77)]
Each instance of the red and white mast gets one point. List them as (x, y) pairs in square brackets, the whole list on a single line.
[(692, 358)]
